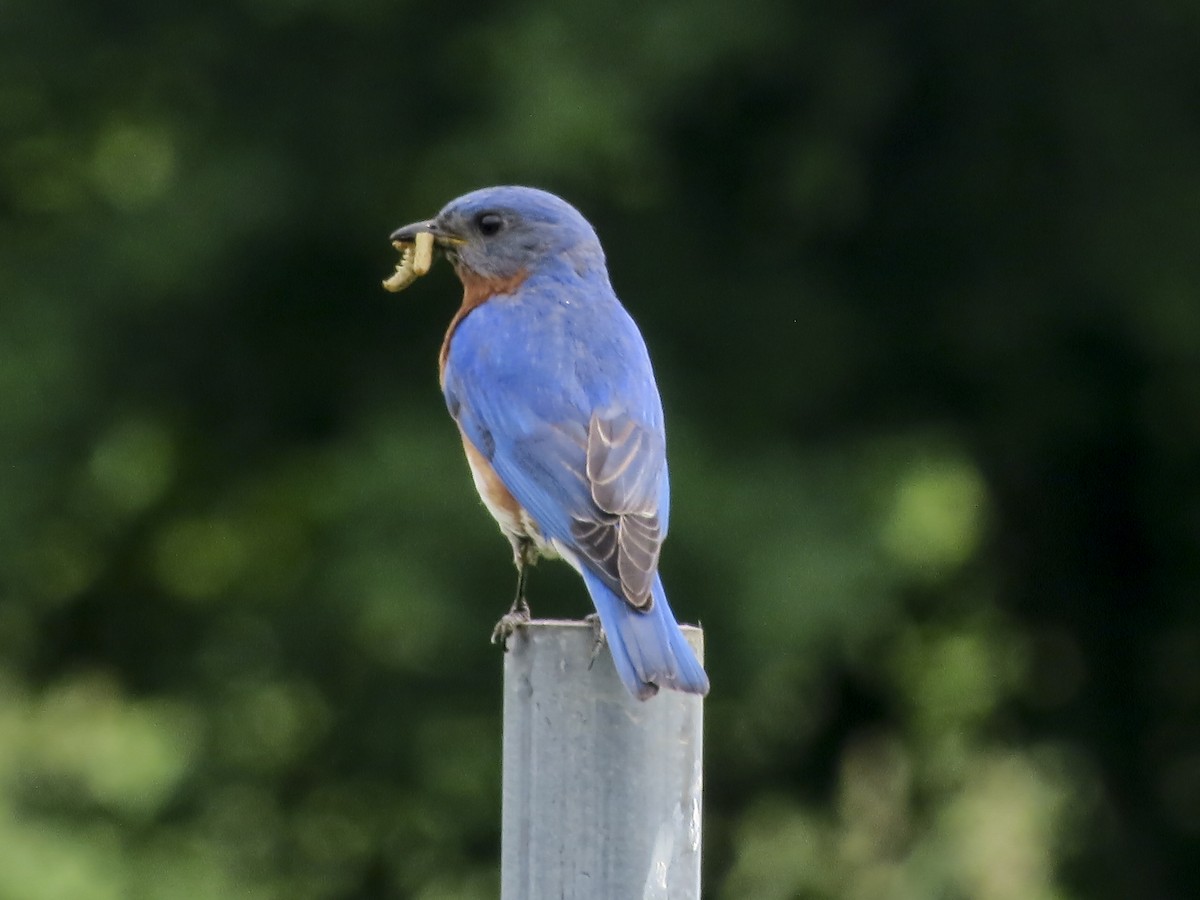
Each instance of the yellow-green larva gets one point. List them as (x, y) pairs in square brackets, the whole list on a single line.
[(415, 260), (423, 253)]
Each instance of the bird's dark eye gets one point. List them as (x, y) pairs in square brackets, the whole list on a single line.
[(489, 223)]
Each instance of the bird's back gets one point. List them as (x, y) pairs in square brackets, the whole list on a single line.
[(535, 366), (567, 348)]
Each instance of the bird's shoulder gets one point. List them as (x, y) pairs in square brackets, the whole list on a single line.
[(563, 348), (541, 322)]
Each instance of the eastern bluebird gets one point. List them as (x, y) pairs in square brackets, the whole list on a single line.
[(550, 383)]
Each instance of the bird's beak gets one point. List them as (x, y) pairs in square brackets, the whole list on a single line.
[(408, 234)]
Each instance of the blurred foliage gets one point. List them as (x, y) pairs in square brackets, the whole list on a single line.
[(921, 285)]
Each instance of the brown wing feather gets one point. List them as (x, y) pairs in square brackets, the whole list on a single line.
[(624, 541)]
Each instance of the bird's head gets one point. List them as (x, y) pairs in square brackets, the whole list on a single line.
[(500, 233)]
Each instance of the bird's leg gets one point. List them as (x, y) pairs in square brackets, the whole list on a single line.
[(524, 555), (593, 619), (520, 605)]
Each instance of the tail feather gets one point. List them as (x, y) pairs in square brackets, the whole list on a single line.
[(648, 648)]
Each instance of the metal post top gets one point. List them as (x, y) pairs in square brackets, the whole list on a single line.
[(602, 791), (544, 624)]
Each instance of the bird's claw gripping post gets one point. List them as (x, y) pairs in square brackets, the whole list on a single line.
[(415, 260), (510, 622), (519, 614), (593, 620)]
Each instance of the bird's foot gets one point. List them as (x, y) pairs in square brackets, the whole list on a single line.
[(517, 617), (593, 620)]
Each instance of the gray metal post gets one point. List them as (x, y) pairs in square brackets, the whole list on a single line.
[(601, 791)]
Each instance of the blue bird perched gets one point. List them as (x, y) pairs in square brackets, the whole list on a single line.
[(550, 383)]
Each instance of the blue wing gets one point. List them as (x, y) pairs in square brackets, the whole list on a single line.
[(561, 399)]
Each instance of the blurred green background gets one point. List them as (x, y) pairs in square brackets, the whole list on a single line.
[(920, 281)]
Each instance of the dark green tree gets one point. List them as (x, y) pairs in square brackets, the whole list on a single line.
[(920, 282)]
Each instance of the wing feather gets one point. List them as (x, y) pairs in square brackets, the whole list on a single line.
[(624, 465)]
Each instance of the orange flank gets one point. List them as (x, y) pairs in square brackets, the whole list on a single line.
[(496, 497)]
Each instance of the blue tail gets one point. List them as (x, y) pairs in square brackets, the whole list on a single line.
[(647, 648)]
